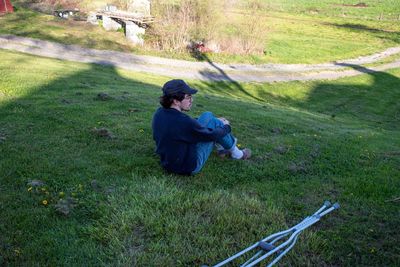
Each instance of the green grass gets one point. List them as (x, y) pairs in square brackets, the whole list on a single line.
[(298, 38), (372, 10), (288, 36), (342, 135), (28, 23)]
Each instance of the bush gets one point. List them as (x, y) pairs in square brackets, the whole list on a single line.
[(177, 23), (183, 22), (244, 37)]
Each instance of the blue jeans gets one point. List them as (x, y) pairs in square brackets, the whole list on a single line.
[(204, 149)]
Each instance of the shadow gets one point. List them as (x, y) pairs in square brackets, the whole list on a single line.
[(47, 133), (358, 68), (71, 108), (371, 99), (224, 82), (383, 34)]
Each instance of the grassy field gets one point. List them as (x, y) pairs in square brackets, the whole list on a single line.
[(312, 141), (369, 9), (288, 34)]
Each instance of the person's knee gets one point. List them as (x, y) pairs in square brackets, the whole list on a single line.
[(207, 114), (206, 117)]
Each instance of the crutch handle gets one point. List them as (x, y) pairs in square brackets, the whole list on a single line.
[(266, 246)]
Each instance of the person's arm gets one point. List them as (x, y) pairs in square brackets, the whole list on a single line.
[(199, 133)]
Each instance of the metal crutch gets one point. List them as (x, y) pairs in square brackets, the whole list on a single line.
[(266, 246)]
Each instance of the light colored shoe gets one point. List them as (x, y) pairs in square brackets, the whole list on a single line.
[(246, 154)]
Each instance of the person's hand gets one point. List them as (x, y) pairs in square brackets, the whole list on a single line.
[(224, 121)]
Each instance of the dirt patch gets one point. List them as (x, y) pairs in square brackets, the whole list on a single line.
[(281, 149), (315, 152), (35, 183), (3, 137), (299, 167), (385, 155), (110, 190), (358, 5), (95, 185), (135, 242), (65, 206), (276, 130), (65, 101), (103, 97), (102, 132), (263, 157)]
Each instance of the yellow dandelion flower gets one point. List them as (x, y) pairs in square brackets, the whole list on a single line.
[(44, 202), (30, 189), (61, 194), (239, 145)]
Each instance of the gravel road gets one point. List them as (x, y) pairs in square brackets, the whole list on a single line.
[(205, 70)]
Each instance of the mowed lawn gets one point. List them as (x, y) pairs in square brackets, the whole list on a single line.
[(71, 195)]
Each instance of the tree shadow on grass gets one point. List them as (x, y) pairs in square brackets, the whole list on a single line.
[(374, 102), (48, 129), (219, 80)]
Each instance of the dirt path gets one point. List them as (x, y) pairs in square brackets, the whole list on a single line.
[(201, 70)]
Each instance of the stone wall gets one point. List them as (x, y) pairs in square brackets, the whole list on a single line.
[(110, 25), (134, 33)]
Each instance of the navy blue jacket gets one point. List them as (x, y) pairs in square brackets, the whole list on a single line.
[(176, 135)]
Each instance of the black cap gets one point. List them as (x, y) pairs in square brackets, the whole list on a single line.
[(177, 86)]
